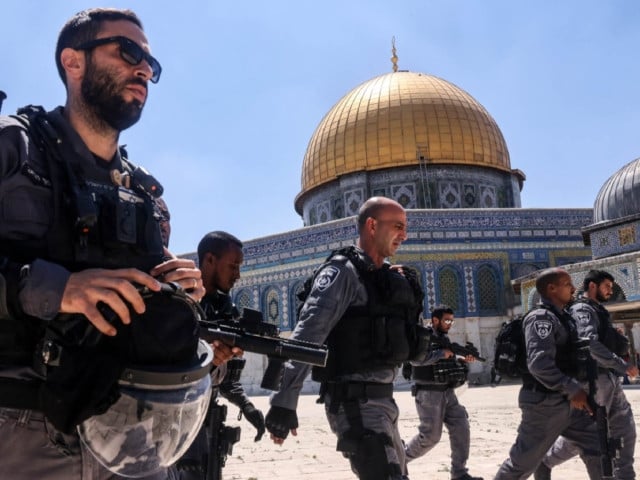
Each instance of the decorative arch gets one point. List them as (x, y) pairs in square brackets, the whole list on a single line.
[(532, 300), (450, 289), (272, 306), (488, 288), (295, 302), (244, 299)]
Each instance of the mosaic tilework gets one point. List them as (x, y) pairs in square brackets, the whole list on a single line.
[(510, 242), (469, 288), (615, 238), (624, 268), (428, 187)]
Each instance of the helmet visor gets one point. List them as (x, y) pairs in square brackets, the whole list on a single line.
[(147, 430)]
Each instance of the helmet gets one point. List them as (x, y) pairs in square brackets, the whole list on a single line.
[(156, 418)]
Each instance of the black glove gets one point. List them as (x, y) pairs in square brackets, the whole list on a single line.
[(280, 420), (255, 418), (407, 370)]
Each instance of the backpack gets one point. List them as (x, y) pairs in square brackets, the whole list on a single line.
[(510, 357)]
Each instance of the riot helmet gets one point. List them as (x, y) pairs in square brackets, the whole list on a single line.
[(163, 391), (155, 419)]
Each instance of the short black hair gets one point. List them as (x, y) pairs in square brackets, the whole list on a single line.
[(547, 277), (597, 277), (216, 243), (439, 311), (84, 26)]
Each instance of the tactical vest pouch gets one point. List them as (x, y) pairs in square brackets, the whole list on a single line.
[(453, 374), (390, 339), (127, 218), (80, 379), (83, 366)]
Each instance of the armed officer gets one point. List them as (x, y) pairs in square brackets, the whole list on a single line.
[(79, 236), (435, 381), (607, 347), (368, 314), (551, 399), (220, 257)]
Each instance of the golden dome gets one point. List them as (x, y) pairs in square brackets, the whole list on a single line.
[(394, 119)]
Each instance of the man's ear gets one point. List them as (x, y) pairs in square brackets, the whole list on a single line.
[(210, 258), (73, 62), (370, 223)]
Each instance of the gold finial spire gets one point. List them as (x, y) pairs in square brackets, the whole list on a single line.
[(394, 57)]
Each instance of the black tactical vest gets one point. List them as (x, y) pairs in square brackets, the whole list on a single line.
[(380, 334), (70, 220), (566, 355)]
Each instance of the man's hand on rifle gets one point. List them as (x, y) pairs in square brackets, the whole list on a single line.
[(255, 418), (222, 352), (580, 401), (280, 421), (632, 372)]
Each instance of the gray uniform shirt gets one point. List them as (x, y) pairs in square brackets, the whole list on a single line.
[(336, 287), (543, 332)]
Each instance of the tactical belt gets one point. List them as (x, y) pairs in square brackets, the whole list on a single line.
[(537, 387), (22, 394), (435, 387), (344, 391)]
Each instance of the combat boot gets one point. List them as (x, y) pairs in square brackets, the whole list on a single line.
[(542, 472), (466, 476)]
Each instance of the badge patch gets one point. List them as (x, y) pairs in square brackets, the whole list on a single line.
[(326, 278), (583, 318), (543, 328)]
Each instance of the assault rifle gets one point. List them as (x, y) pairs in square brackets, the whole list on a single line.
[(252, 334), (437, 343), (609, 447)]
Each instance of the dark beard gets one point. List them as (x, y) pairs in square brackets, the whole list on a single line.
[(102, 98)]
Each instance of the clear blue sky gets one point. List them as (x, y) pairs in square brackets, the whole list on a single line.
[(244, 85)]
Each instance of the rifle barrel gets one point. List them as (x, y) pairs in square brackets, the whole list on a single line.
[(297, 351)]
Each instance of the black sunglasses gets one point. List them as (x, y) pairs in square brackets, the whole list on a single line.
[(130, 51)]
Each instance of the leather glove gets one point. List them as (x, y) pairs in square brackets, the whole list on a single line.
[(280, 421), (255, 418)]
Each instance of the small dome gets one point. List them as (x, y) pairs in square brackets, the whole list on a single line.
[(398, 119), (620, 195)]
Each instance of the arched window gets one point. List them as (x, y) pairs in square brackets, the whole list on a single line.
[(272, 306), (488, 288), (244, 299), (449, 288)]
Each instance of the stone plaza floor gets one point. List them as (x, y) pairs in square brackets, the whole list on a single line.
[(493, 414)]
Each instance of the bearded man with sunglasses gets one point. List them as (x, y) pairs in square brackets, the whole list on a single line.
[(435, 380), (80, 237)]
